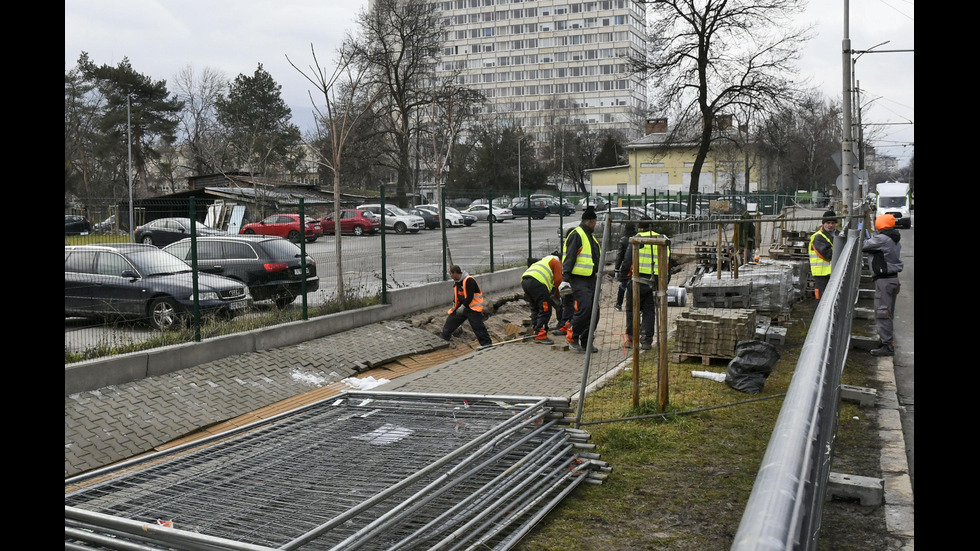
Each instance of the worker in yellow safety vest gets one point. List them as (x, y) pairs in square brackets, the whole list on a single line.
[(540, 283), (579, 274), (647, 274), (821, 250)]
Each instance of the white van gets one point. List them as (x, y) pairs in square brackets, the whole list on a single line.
[(396, 218), (894, 198)]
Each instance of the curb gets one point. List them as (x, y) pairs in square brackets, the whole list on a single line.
[(899, 498)]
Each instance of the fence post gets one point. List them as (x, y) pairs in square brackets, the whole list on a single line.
[(302, 255), (192, 215), (490, 218), (384, 263), (442, 226), (530, 259)]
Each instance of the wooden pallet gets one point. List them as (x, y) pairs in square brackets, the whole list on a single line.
[(680, 357)]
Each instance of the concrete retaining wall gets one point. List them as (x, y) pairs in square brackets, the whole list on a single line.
[(116, 370)]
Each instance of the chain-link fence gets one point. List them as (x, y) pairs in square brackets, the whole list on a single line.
[(125, 291), (733, 281)]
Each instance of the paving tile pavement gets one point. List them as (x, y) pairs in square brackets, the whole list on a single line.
[(118, 422)]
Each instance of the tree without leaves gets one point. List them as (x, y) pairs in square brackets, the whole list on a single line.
[(709, 56), (202, 135), (335, 123), (400, 40), (451, 108), (799, 140)]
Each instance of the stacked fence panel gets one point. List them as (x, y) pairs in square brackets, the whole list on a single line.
[(358, 471)]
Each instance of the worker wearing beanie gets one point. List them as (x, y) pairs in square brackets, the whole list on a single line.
[(580, 267), (884, 257), (821, 250)]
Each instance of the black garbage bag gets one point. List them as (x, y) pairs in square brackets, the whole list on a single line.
[(751, 366)]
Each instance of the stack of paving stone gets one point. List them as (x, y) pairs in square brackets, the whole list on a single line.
[(792, 244), (713, 331), (711, 292), (775, 285)]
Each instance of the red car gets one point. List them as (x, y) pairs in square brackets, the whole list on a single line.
[(355, 221), (284, 225)]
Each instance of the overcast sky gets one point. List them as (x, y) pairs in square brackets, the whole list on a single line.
[(234, 36)]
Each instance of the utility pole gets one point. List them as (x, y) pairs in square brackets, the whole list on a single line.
[(847, 167)]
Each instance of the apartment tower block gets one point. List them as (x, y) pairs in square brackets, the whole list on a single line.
[(545, 64)]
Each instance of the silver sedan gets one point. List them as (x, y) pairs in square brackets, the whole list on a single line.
[(483, 212)]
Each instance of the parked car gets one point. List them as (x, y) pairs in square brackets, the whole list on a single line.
[(431, 219), (355, 221), (396, 218), (564, 208), (164, 231), (107, 225), (285, 225), (270, 266), (502, 202), (77, 225), (468, 219), (538, 208), (622, 214), (483, 212), (672, 210), (596, 201), (453, 218), (137, 281)]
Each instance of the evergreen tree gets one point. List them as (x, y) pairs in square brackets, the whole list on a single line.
[(262, 138), (132, 104)]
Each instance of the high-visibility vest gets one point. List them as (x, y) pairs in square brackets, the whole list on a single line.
[(584, 264), (819, 266), (460, 292), (649, 263), (541, 271)]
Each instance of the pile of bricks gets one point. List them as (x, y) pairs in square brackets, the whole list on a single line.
[(792, 244), (765, 331), (714, 331), (711, 292)]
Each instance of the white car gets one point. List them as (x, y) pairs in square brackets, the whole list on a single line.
[(671, 210), (482, 212), (453, 219), (396, 218)]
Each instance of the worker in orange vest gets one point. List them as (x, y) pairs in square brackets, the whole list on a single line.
[(467, 305)]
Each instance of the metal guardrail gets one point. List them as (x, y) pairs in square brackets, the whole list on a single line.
[(786, 504)]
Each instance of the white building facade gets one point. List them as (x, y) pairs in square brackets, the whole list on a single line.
[(544, 64)]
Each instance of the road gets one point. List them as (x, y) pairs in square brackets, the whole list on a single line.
[(904, 359)]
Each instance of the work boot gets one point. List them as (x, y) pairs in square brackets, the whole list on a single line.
[(883, 350), (645, 346), (574, 345), (619, 307), (542, 337)]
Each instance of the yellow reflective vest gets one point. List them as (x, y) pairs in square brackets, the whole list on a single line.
[(649, 263), (584, 264), (541, 271), (819, 266)]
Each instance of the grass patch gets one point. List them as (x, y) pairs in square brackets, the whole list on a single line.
[(681, 482)]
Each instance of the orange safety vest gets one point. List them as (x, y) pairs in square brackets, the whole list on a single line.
[(459, 291)]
